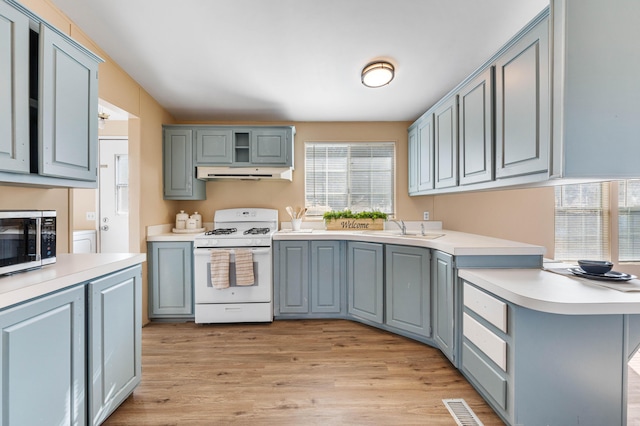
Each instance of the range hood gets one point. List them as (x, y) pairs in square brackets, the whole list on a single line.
[(244, 173)]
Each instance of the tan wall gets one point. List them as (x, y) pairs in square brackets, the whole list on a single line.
[(525, 215)]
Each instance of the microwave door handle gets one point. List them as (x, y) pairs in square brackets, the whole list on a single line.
[(38, 238)]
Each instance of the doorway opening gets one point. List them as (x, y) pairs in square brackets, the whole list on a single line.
[(101, 216)]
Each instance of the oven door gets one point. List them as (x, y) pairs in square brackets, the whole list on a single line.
[(260, 291)]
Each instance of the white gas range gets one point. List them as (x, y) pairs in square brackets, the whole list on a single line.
[(232, 267)]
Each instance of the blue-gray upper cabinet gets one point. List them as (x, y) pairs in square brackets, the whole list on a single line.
[(272, 147), (14, 85), (42, 352), (475, 129), (170, 270), (421, 155), (443, 281), (214, 146), (242, 146), (445, 118), (115, 340), (69, 109), (523, 105), (365, 278), (48, 118), (179, 171), (595, 91), (412, 159), (309, 279), (408, 289)]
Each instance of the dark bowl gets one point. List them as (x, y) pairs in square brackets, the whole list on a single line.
[(599, 267)]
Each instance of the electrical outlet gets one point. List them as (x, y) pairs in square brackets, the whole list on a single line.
[(91, 215), (425, 216)]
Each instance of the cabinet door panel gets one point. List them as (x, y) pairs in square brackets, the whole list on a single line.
[(214, 146), (269, 146), (180, 182), (364, 280), (475, 130), (14, 86), (43, 361), (443, 287), (171, 279), (446, 144), (115, 338), (69, 107), (407, 289), (326, 277), (522, 106), (413, 160), (294, 277), (425, 154)]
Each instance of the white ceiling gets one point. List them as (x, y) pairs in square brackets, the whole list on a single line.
[(298, 60)]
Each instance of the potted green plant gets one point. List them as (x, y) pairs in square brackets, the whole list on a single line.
[(346, 220)]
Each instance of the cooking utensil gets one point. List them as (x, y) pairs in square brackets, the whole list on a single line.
[(289, 210)]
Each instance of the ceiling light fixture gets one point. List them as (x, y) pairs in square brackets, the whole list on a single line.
[(377, 74)]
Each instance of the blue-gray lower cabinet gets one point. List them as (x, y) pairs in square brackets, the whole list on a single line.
[(537, 368), (292, 271), (408, 289), (442, 282), (309, 279), (42, 351), (170, 275), (115, 340), (365, 278)]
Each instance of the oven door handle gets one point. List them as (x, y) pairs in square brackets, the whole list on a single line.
[(254, 250)]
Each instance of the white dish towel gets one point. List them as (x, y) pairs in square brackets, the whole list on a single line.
[(244, 267), (220, 269)]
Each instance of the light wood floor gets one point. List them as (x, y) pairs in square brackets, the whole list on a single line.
[(312, 372)]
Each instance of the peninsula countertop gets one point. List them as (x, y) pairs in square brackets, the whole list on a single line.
[(69, 270), (550, 292)]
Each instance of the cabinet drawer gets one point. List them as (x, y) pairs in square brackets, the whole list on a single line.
[(488, 307), (493, 346), (494, 384)]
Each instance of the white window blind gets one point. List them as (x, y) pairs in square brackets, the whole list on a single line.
[(629, 221), (582, 222), (356, 176)]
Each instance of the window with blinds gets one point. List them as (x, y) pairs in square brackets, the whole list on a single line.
[(582, 221), (357, 176), (629, 221)]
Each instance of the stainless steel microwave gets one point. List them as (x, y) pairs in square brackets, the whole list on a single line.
[(27, 239)]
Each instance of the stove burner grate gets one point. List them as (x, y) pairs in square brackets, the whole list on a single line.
[(222, 231), (256, 231)]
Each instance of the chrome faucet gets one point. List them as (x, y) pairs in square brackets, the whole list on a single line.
[(401, 225)]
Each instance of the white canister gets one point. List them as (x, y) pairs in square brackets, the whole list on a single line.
[(181, 220), (198, 219), (191, 223)]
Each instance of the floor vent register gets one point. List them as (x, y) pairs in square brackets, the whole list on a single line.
[(462, 414)]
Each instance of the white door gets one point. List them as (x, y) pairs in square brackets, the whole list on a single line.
[(114, 195)]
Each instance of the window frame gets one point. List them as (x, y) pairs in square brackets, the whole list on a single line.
[(315, 211)]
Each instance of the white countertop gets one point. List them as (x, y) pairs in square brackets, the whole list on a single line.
[(452, 242), (553, 293), (69, 270)]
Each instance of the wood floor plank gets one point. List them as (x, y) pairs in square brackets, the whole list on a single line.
[(307, 372)]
